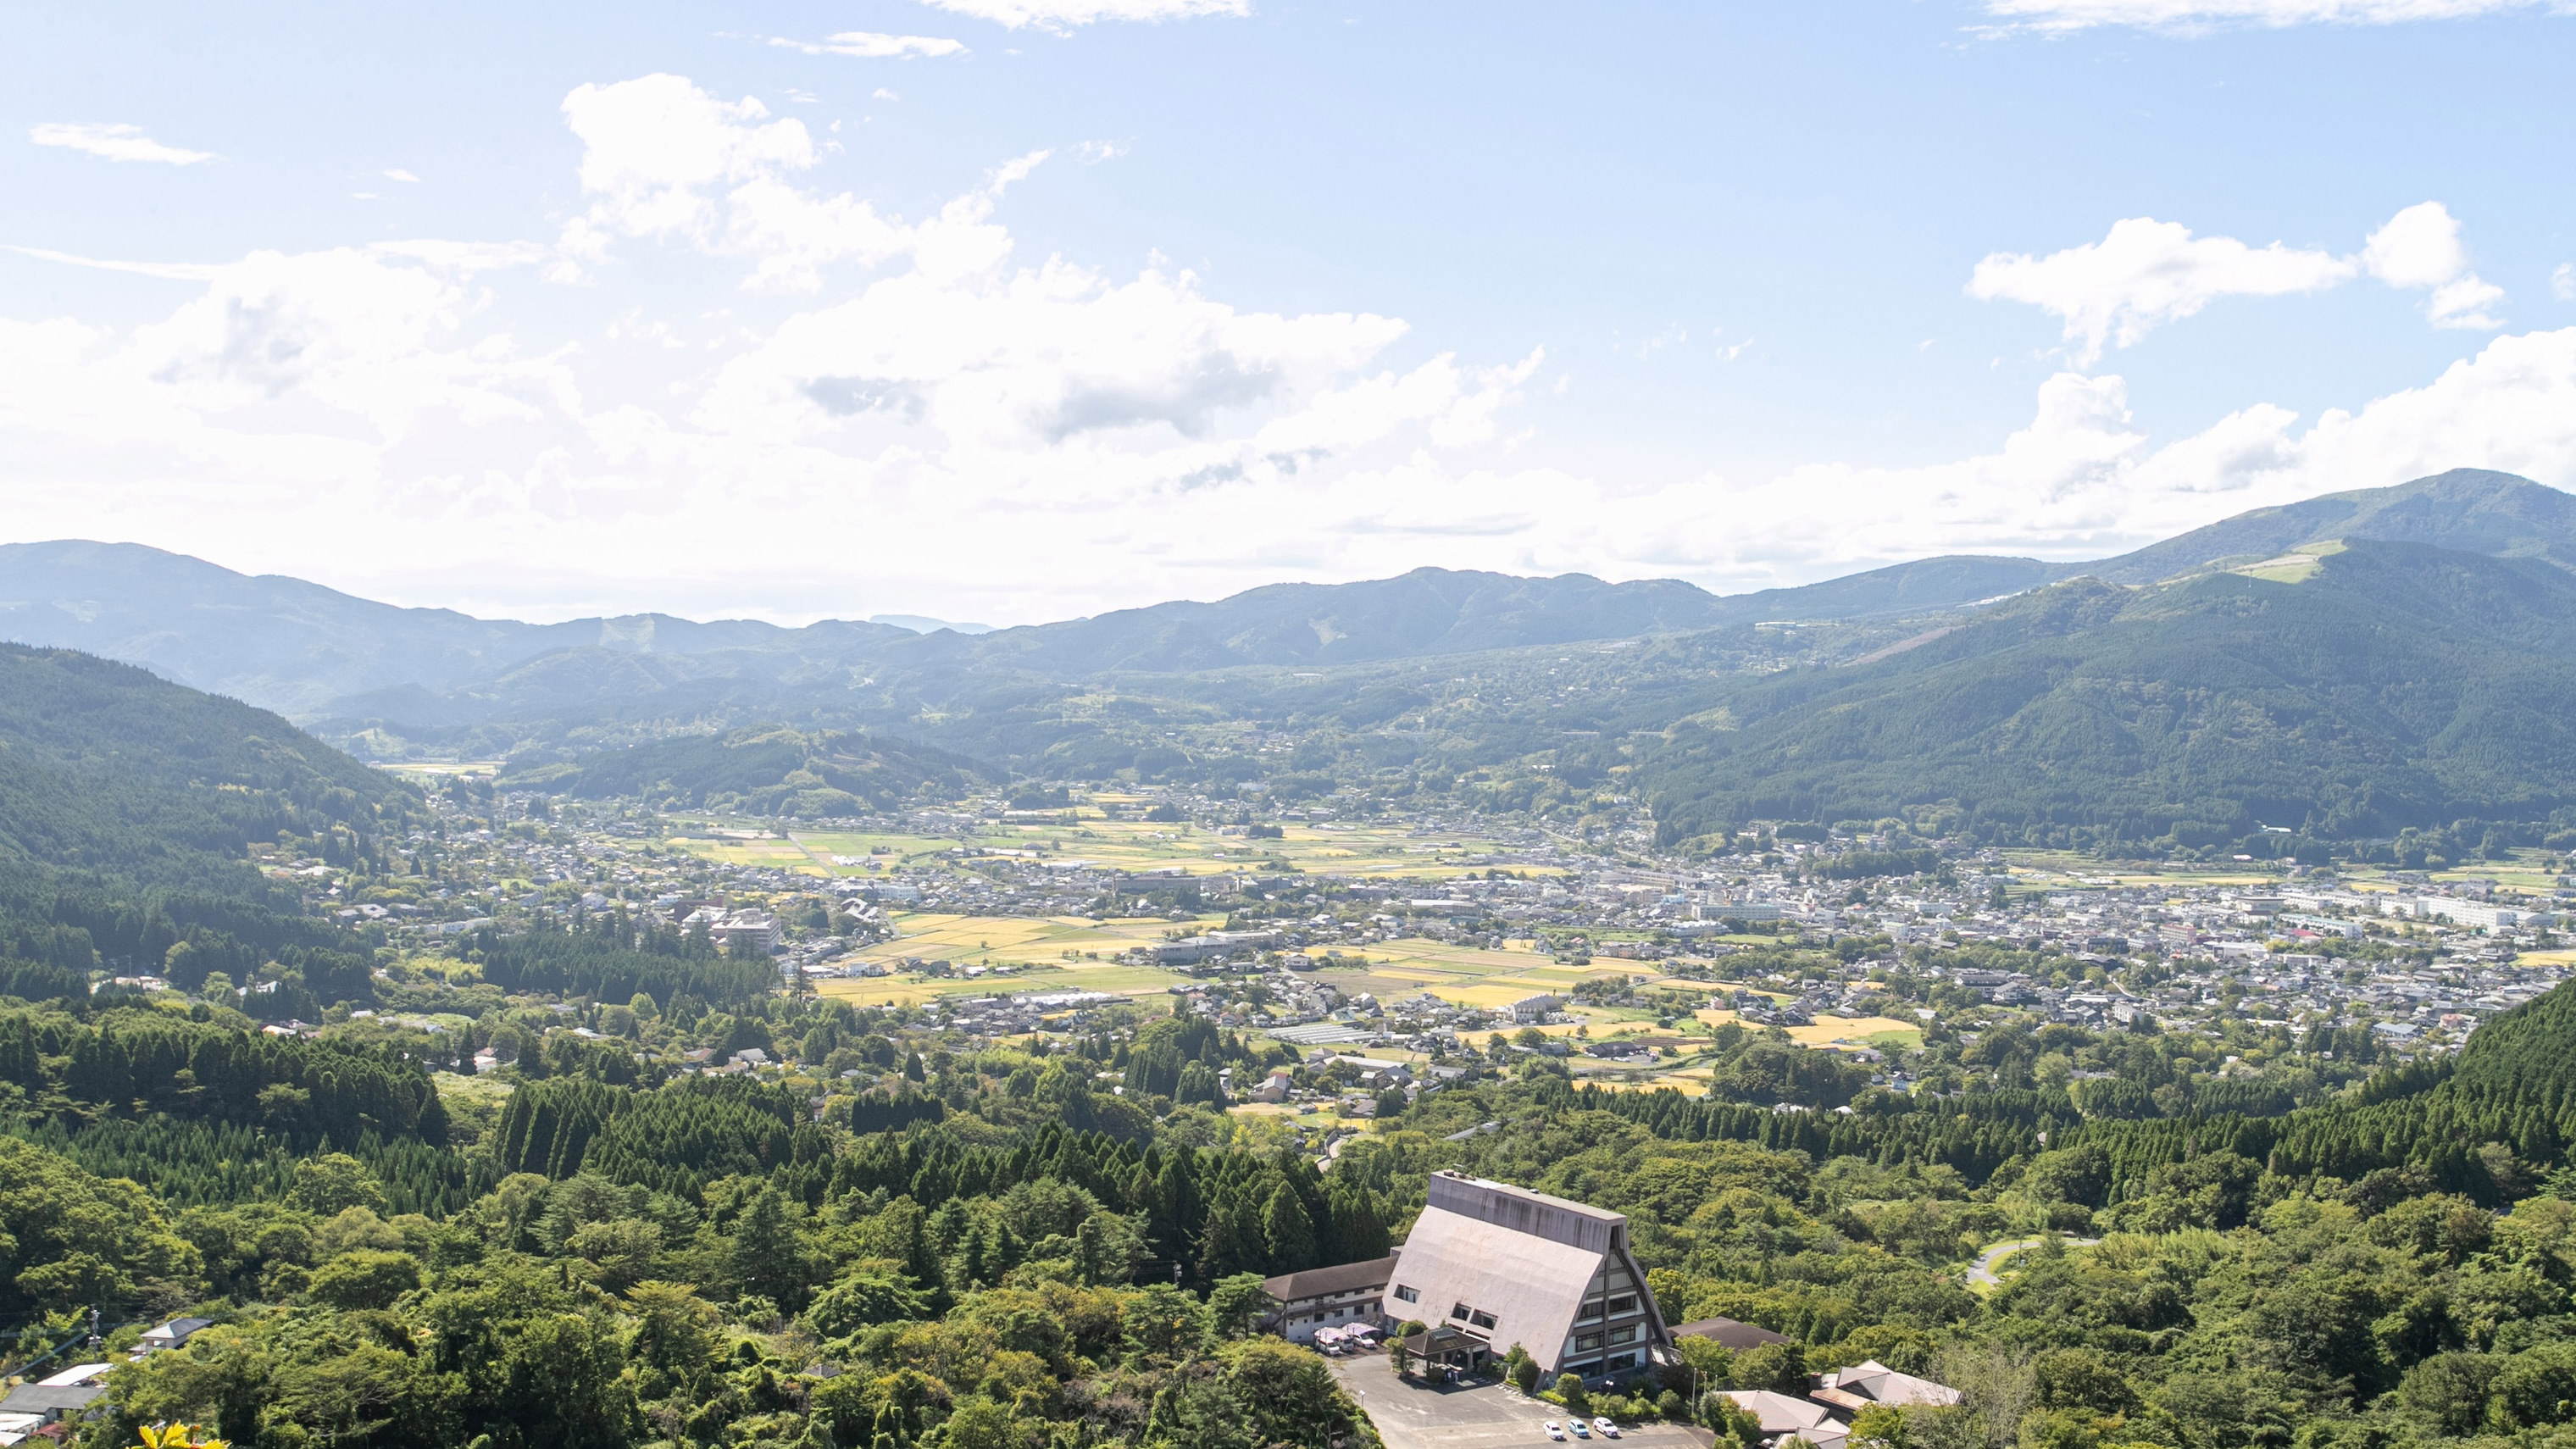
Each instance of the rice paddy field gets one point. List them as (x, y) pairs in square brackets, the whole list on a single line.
[(1012, 953), (1021, 953), (1357, 851)]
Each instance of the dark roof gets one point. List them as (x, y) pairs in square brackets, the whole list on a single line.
[(44, 1399), (1319, 1282), (1727, 1333)]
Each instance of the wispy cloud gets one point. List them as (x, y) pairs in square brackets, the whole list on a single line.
[(2194, 16), (168, 271), (870, 45), (113, 143), (1061, 14), (399, 174)]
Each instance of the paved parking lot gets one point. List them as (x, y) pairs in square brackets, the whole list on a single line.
[(1415, 1415)]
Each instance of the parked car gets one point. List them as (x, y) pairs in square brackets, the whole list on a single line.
[(1553, 1431), (1603, 1423), (1581, 1429)]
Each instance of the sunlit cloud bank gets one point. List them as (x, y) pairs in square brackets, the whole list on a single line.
[(909, 412)]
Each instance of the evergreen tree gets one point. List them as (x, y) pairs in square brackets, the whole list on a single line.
[(1359, 1227), (1232, 1241), (765, 1257), (1286, 1232)]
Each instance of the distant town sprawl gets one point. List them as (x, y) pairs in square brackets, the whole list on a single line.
[(1458, 935)]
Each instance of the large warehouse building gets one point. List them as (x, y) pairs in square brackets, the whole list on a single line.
[(1497, 1265)]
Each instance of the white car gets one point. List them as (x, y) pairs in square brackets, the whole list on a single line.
[(1607, 1428), (1553, 1431)]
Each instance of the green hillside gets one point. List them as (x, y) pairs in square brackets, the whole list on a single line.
[(2470, 509), (766, 771), (107, 769), (127, 804), (2397, 686)]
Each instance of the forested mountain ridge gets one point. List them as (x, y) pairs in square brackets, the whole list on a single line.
[(128, 808), (294, 646), (106, 769), (373, 675), (2470, 509), (2398, 685)]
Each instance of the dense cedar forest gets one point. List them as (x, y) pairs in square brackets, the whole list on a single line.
[(992, 1249)]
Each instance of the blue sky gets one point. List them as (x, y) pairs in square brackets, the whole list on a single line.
[(1018, 309)]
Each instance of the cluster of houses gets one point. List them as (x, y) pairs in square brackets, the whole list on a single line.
[(64, 1396)]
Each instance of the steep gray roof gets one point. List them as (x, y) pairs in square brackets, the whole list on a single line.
[(1728, 1333), (1320, 1282), (1532, 1282), (1523, 1211)]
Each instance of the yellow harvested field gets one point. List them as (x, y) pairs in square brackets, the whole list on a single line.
[(1838, 1029), (1357, 850), (1485, 994), (984, 940), (2546, 958), (1033, 948)]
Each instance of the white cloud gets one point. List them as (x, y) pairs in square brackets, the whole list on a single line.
[(2562, 282), (2419, 249), (871, 45), (963, 427), (399, 174), (1058, 14), (113, 143), (2145, 273), (2195, 16), (651, 144), (662, 158), (2083, 481), (1061, 406)]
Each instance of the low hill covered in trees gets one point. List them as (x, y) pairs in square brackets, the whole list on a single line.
[(128, 808), (768, 770), (2395, 686)]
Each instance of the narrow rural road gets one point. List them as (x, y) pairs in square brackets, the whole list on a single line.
[(1982, 1272)]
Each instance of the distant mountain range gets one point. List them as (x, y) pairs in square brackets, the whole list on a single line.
[(316, 654)]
